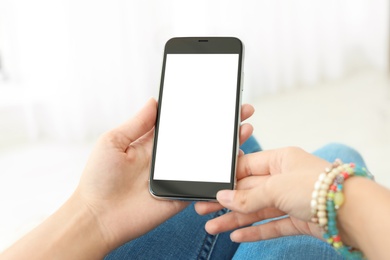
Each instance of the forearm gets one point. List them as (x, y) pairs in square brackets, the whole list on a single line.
[(72, 232), (364, 217)]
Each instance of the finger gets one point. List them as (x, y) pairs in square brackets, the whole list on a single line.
[(137, 126), (259, 163), (246, 111), (272, 229), (250, 182), (246, 131), (204, 208), (246, 201), (273, 161), (234, 220)]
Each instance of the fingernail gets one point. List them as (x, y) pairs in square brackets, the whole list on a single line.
[(232, 237), (225, 196)]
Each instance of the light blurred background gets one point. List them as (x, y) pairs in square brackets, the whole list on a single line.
[(316, 72)]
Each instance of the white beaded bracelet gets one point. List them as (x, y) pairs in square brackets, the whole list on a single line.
[(318, 197)]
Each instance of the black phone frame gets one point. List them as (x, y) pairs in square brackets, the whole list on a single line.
[(189, 190)]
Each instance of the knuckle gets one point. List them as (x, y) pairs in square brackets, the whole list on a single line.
[(108, 137), (288, 149), (113, 138), (243, 203), (247, 168), (292, 150)]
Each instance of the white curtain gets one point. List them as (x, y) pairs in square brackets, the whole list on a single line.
[(79, 67)]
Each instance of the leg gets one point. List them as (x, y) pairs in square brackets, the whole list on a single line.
[(293, 247), (181, 237), (251, 145), (333, 151)]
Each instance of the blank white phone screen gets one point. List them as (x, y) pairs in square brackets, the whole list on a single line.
[(196, 125)]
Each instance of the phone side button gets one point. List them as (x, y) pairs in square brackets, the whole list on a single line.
[(242, 81)]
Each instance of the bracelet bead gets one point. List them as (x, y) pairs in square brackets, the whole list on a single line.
[(320, 193), (328, 197)]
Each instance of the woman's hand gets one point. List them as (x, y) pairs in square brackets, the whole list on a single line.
[(114, 184), (271, 184)]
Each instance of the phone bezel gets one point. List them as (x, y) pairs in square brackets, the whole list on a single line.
[(192, 190)]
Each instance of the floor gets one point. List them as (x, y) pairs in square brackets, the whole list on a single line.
[(36, 179)]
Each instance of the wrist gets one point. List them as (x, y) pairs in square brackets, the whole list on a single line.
[(351, 215), (100, 221), (72, 232), (79, 230)]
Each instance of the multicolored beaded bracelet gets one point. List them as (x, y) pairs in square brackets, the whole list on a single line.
[(335, 198)]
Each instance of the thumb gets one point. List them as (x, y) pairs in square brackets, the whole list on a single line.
[(138, 125)]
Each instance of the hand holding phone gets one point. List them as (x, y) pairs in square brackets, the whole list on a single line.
[(194, 154)]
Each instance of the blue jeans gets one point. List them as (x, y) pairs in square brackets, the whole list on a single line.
[(184, 237)]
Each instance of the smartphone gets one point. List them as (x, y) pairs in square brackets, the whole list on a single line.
[(198, 121)]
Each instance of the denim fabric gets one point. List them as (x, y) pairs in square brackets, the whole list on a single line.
[(283, 248), (346, 153), (184, 237), (251, 146), (181, 237)]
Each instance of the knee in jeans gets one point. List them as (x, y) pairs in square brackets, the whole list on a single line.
[(342, 148), (344, 152)]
